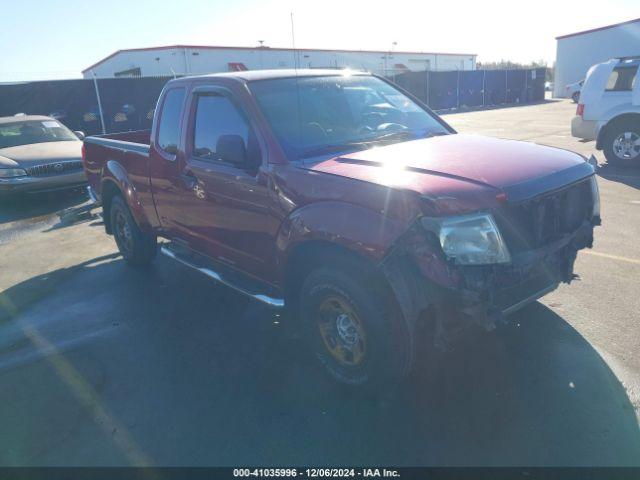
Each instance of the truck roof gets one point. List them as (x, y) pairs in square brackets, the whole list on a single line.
[(253, 75)]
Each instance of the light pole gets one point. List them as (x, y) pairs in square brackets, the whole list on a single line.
[(393, 44), (261, 42)]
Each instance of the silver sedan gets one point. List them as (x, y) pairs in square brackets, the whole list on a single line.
[(39, 154)]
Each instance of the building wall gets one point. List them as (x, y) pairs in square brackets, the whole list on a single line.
[(576, 54), (195, 61)]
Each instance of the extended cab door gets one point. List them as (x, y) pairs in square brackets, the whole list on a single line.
[(225, 200), (164, 153)]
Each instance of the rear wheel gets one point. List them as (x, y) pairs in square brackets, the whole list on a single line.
[(354, 328), (622, 145), (137, 247)]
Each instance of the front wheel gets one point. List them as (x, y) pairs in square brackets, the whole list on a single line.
[(137, 247), (354, 329), (622, 145)]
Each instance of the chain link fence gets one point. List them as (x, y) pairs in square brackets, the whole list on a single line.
[(128, 103)]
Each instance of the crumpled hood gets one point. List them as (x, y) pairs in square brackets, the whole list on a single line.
[(446, 165), (40, 153)]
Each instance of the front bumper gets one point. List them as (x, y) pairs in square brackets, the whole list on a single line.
[(429, 288), (490, 293), (30, 184)]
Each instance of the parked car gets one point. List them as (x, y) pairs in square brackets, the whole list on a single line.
[(347, 201), (548, 86), (609, 111), (37, 154), (572, 91)]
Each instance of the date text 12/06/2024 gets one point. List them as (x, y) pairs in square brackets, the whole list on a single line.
[(317, 472)]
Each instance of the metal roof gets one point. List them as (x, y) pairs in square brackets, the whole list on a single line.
[(252, 75), (277, 49), (584, 32)]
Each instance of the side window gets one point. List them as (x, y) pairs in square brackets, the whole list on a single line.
[(221, 132), (169, 127), (622, 79)]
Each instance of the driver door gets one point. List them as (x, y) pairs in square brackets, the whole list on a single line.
[(225, 190)]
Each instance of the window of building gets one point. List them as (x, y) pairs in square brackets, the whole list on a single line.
[(132, 72)]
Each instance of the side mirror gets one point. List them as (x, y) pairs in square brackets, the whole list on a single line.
[(80, 134), (231, 149)]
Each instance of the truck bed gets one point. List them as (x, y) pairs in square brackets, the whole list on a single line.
[(142, 137), (128, 151)]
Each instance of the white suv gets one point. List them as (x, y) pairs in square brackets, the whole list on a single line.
[(609, 110)]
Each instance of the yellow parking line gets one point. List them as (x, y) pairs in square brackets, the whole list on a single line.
[(613, 257), (89, 399), (86, 395)]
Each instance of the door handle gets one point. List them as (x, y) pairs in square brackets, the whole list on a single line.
[(189, 180)]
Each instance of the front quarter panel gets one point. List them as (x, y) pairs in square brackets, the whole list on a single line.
[(359, 229)]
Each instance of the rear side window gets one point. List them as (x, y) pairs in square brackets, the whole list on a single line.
[(622, 79), (216, 116), (169, 127)]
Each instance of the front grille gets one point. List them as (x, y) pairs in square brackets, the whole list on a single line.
[(538, 222), (55, 168)]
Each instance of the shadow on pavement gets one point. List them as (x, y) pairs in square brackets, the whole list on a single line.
[(37, 207), (112, 366), (627, 176)]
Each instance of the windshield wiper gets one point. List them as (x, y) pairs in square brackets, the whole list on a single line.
[(332, 148), (406, 134), (365, 144), (392, 135)]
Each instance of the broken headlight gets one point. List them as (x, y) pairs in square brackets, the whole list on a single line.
[(470, 239)]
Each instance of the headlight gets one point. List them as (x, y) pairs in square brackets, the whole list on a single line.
[(12, 172), (595, 195), (471, 239)]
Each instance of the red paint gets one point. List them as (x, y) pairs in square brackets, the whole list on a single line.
[(363, 201)]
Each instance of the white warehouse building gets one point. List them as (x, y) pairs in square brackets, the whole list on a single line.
[(577, 52), (195, 60)]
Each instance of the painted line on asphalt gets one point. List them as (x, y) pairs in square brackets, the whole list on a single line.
[(612, 257), (89, 398)]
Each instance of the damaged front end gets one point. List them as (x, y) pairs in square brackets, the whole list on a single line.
[(482, 267)]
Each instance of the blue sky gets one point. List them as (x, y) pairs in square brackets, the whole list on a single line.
[(46, 39)]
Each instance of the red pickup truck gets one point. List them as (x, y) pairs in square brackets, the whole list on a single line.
[(346, 200)]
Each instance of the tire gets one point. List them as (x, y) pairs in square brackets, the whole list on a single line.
[(137, 248), (354, 328), (621, 145), (575, 97)]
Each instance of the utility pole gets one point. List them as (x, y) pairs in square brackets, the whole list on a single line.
[(95, 85), (393, 44), (261, 42)]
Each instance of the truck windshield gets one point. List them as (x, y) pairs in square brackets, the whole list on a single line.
[(313, 116)]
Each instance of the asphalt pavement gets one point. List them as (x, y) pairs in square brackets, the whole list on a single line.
[(102, 364)]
